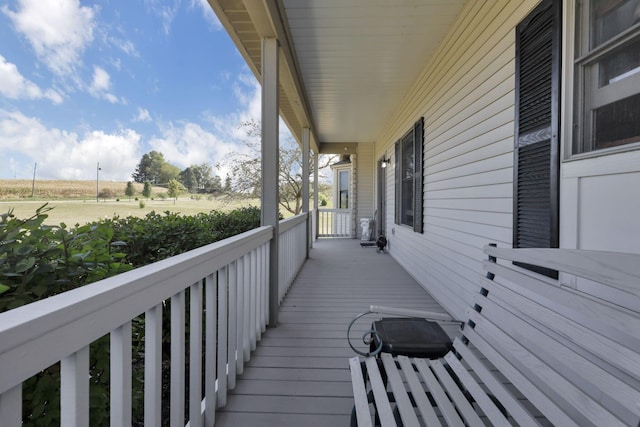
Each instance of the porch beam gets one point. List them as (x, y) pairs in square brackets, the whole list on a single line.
[(270, 164), (306, 143)]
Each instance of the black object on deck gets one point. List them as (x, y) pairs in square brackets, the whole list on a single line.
[(411, 337)]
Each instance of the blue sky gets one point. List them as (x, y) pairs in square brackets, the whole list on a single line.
[(107, 81)]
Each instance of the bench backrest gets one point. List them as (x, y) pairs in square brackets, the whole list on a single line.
[(571, 346)]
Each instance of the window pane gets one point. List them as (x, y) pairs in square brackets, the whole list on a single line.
[(344, 200), (612, 17), (344, 180), (620, 64), (407, 202), (618, 123), (407, 159)]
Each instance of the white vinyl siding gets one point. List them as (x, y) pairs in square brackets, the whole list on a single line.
[(466, 96), (364, 183)]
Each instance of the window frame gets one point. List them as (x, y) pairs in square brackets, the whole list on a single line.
[(410, 201), (588, 95)]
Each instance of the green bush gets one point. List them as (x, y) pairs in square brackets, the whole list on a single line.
[(142, 204), (38, 261)]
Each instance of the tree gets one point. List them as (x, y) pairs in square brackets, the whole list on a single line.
[(146, 191), (155, 169), (245, 169), (130, 191), (175, 188)]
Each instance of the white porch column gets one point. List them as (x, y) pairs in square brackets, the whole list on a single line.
[(316, 197), (306, 143), (271, 164)]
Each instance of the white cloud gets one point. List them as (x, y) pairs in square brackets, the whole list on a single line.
[(166, 12), (13, 85), (101, 85), (207, 13), (142, 116), (58, 30), (66, 155)]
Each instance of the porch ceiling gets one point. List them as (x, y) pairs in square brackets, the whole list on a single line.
[(345, 64)]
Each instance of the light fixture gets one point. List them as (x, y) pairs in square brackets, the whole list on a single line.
[(385, 162)]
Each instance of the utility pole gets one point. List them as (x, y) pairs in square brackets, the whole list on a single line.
[(33, 183), (98, 182)]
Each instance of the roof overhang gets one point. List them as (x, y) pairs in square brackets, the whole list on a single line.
[(345, 65)]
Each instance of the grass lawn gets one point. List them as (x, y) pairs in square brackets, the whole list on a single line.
[(72, 212)]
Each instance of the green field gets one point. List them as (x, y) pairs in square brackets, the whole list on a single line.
[(74, 202), (72, 212)]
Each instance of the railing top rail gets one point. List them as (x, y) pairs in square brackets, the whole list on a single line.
[(46, 331), (289, 223), (345, 211)]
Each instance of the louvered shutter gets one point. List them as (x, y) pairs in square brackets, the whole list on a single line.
[(536, 163), (418, 185), (398, 196)]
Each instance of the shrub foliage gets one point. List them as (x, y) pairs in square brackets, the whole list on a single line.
[(38, 261)]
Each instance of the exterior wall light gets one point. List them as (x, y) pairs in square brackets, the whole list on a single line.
[(385, 162)]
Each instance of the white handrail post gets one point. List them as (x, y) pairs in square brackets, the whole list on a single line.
[(120, 393), (177, 359), (11, 407), (270, 162), (74, 389), (195, 354), (211, 318), (153, 366)]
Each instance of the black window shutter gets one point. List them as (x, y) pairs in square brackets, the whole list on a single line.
[(418, 194), (398, 181), (537, 121)]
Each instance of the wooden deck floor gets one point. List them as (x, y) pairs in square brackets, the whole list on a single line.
[(299, 373)]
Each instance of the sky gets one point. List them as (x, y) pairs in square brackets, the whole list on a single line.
[(107, 81)]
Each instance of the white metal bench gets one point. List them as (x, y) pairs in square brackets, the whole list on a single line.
[(534, 350)]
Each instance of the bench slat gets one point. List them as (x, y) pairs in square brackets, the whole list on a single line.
[(419, 395), (619, 325), (461, 402), (513, 406), (489, 408), (589, 377), (379, 393), (570, 398), (616, 269), (528, 389), (359, 393), (446, 408), (403, 403), (561, 326)]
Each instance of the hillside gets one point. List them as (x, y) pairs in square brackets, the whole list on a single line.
[(14, 189)]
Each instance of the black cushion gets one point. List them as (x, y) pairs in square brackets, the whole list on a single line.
[(411, 337)]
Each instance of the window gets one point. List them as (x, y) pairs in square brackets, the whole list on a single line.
[(343, 190), (607, 111), (409, 185)]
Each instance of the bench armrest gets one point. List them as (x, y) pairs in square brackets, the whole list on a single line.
[(430, 315)]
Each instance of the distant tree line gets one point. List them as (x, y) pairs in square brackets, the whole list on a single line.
[(154, 169)]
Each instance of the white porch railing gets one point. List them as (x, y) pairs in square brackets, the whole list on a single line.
[(293, 251), (335, 223), (226, 284)]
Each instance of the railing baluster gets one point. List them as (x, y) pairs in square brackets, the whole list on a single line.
[(177, 359), (231, 342), (195, 355), (265, 281), (246, 340), (254, 301), (120, 390), (74, 389), (222, 337), (211, 294), (240, 317), (11, 407), (153, 366)]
